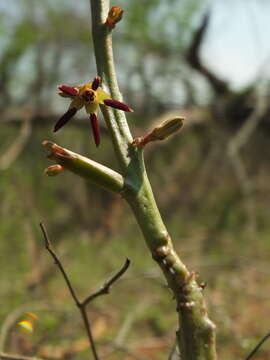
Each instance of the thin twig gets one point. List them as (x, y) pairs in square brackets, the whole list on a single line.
[(58, 263), (253, 352), (105, 289), (5, 356), (72, 292), (107, 285)]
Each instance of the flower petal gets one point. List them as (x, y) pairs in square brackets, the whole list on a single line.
[(91, 108), (117, 105), (101, 96), (95, 128), (96, 83), (77, 103), (65, 118), (68, 90)]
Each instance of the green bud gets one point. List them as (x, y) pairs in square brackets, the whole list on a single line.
[(166, 129)]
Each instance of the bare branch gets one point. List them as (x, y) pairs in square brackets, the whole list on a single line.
[(83, 304), (5, 356), (193, 58), (107, 285), (59, 264), (253, 352), (72, 292)]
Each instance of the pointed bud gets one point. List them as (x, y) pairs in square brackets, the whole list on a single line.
[(114, 16), (162, 131), (95, 128), (54, 170), (96, 83), (167, 128), (64, 119), (117, 105), (68, 90)]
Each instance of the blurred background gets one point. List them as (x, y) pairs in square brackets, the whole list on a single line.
[(206, 60)]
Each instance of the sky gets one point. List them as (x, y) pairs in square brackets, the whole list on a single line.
[(237, 45)]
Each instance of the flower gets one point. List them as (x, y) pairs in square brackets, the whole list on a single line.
[(89, 96)]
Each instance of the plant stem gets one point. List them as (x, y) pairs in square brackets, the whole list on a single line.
[(196, 334), (115, 119), (82, 166)]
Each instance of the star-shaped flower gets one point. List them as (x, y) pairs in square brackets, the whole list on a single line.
[(90, 96)]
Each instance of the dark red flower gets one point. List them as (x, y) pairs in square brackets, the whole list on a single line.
[(90, 96)]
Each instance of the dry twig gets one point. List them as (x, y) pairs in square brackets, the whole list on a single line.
[(5, 356), (105, 289), (253, 352)]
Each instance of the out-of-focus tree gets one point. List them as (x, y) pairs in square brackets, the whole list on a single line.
[(49, 43)]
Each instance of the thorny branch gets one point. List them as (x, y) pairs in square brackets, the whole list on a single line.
[(105, 289)]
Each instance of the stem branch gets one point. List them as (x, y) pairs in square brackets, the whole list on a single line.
[(196, 334), (82, 305)]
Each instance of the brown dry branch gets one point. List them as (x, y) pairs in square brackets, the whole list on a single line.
[(193, 58), (253, 352), (105, 289), (5, 356)]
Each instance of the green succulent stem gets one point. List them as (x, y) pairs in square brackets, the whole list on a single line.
[(115, 119), (88, 169), (196, 333)]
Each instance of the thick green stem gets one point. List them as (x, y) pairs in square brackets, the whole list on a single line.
[(82, 166), (196, 334), (115, 119)]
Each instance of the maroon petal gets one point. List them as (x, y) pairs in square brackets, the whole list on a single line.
[(64, 119), (95, 128), (69, 90), (117, 105), (96, 83)]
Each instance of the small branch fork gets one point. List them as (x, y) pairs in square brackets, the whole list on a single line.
[(105, 289)]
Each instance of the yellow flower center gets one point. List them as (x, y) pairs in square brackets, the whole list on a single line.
[(88, 95)]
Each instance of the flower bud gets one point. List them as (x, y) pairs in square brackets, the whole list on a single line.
[(166, 129), (54, 170), (162, 131), (114, 16)]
